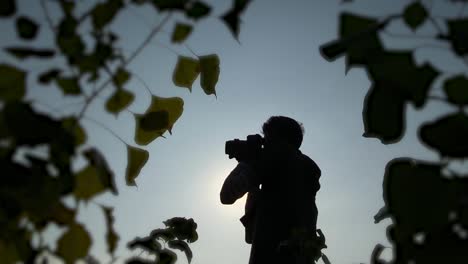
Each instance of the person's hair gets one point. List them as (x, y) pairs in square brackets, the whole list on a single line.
[(282, 127)]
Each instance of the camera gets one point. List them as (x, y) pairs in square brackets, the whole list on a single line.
[(245, 150)]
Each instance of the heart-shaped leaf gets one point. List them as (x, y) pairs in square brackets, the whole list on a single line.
[(136, 159)]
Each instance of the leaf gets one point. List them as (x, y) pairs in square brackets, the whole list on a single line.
[(106, 175), (88, 183), (146, 243), (185, 72), (7, 8), (74, 244), (164, 5), (112, 237), (137, 158), (165, 234), (325, 259), (166, 256), (181, 32), (183, 228), (174, 106), (74, 128), (232, 17), (120, 100), (198, 10), (137, 260), (26, 28), (62, 215), (415, 15), (209, 67), (154, 121), (375, 258), (48, 76), (104, 13), (458, 35), (447, 135), (381, 215), (456, 89), (383, 113), (23, 53), (182, 246), (120, 77), (12, 83), (69, 86)]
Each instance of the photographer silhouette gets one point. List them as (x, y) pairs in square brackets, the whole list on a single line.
[(280, 212)]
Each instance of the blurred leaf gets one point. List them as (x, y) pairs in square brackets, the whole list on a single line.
[(8, 252), (165, 234), (120, 100), (62, 215), (185, 72), (12, 83), (146, 243), (74, 128), (26, 28), (49, 75), (183, 228), (209, 68), (164, 5), (232, 17), (74, 244), (447, 135), (182, 246), (198, 10), (456, 89), (106, 175), (68, 41), (173, 106), (112, 237), (375, 258), (415, 15), (381, 215), (69, 86), (137, 260), (22, 53), (181, 32), (104, 13), (166, 256), (7, 8), (383, 113), (154, 120), (88, 183), (121, 77), (137, 158), (458, 35)]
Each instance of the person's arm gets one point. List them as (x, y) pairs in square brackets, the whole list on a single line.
[(240, 181)]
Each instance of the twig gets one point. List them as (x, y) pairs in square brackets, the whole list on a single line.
[(104, 127), (142, 82), (401, 35), (47, 16)]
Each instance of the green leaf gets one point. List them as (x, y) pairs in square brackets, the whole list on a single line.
[(106, 175), (26, 28), (136, 159), (154, 121), (174, 106), (121, 77), (185, 72), (74, 244), (48, 76), (7, 8), (12, 83), (415, 15), (383, 113), (182, 246), (73, 127), (22, 53), (146, 243), (447, 135), (104, 13), (88, 183), (166, 256), (232, 17), (62, 215), (69, 86), (120, 100), (209, 67), (181, 32), (112, 237), (456, 89), (198, 10), (458, 35)]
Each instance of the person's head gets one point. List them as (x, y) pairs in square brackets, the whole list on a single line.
[(284, 129)]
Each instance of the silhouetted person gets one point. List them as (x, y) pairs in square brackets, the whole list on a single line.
[(281, 184)]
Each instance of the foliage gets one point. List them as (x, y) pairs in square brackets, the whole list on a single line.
[(38, 150), (426, 201)]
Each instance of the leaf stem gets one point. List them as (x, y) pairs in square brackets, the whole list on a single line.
[(47, 16), (104, 127)]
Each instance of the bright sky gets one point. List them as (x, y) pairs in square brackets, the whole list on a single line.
[(276, 69)]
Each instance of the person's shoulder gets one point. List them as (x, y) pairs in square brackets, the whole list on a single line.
[(310, 163)]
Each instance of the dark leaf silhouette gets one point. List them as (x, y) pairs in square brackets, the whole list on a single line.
[(74, 244), (69, 86), (48, 76), (154, 120), (111, 236), (165, 234), (7, 8), (119, 101), (136, 159), (181, 32), (166, 256), (182, 246), (183, 228), (74, 128), (456, 90), (198, 10), (23, 52), (185, 72), (88, 183), (137, 260), (415, 15), (104, 13), (26, 28), (12, 83), (458, 35), (146, 243), (164, 5), (209, 68), (106, 175), (121, 77), (232, 17)]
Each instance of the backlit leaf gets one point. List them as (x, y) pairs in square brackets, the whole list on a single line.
[(458, 35), (447, 135), (456, 89), (26, 28), (166, 256), (174, 106), (23, 53), (198, 10), (48, 76), (154, 121), (75, 129), (121, 77), (69, 86), (209, 68), (185, 72), (62, 215), (414, 15), (7, 8), (182, 246), (74, 244), (104, 13), (12, 83), (88, 183), (106, 175), (112, 237), (120, 100), (136, 159), (181, 32)]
